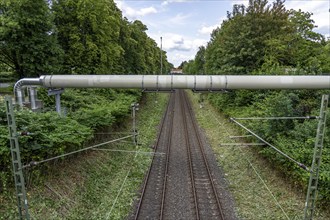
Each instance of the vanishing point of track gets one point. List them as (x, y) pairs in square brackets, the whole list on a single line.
[(179, 183)]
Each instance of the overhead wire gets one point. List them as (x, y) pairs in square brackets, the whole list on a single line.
[(34, 163), (301, 165), (255, 170), (121, 188), (278, 118), (264, 183), (130, 151), (124, 181)]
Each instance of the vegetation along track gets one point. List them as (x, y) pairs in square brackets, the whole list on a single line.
[(180, 183)]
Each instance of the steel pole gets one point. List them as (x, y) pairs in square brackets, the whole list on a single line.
[(161, 55)]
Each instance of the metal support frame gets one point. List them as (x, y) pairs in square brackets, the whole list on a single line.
[(317, 157), (135, 107), (209, 91), (57, 93), (33, 97), (22, 202), (159, 90)]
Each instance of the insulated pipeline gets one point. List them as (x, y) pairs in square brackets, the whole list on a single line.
[(25, 82), (156, 82), (197, 82)]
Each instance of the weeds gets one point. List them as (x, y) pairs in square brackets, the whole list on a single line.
[(259, 189), (95, 184)]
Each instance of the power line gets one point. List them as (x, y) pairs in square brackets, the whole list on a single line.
[(270, 145), (130, 151), (264, 183), (278, 118), (34, 163), (255, 170)]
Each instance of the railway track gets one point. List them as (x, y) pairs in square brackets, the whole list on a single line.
[(207, 202), (180, 183), (150, 204)]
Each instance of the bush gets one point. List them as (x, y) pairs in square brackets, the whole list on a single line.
[(294, 137), (52, 135)]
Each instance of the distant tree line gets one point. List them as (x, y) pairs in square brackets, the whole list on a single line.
[(74, 37), (268, 39)]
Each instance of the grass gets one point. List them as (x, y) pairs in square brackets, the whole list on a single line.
[(95, 184), (259, 189), (104, 184)]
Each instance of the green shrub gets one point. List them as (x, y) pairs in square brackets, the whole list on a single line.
[(52, 135), (294, 137)]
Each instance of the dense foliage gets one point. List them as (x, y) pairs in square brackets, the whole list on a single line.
[(52, 135), (69, 37), (74, 37), (28, 41), (267, 39)]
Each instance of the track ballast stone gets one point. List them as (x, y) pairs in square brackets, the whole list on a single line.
[(175, 198)]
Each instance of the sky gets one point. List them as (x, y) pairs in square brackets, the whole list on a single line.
[(185, 25)]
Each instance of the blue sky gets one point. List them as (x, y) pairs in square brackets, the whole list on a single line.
[(184, 25)]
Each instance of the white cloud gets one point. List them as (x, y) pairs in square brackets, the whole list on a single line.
[(179, 19), (177, 42), (320, 10), (172, 42), (165, 3), (241, 2), (133, 13), (178, 47), (178, 58), (140, 12), (207, 29)]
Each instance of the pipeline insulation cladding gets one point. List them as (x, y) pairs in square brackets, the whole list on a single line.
[(197, 82)]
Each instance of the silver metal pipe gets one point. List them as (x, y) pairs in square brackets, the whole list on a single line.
[(163, 82), (279, 82), (33, 97), (24, 82), (197, 82)]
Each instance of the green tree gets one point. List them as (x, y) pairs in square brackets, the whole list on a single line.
[(325, 58), (135, 53), (189, 67), (142, 55), (308, 45), (28, 38), (239, 46), (98, 40), (182, 64), (199, 61), (89, 33)]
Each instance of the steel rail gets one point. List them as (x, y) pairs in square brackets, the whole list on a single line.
[(169, 143), (189, 155), (152, 161), (204, 157)]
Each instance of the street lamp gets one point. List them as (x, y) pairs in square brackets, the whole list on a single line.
[(161, 55)]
